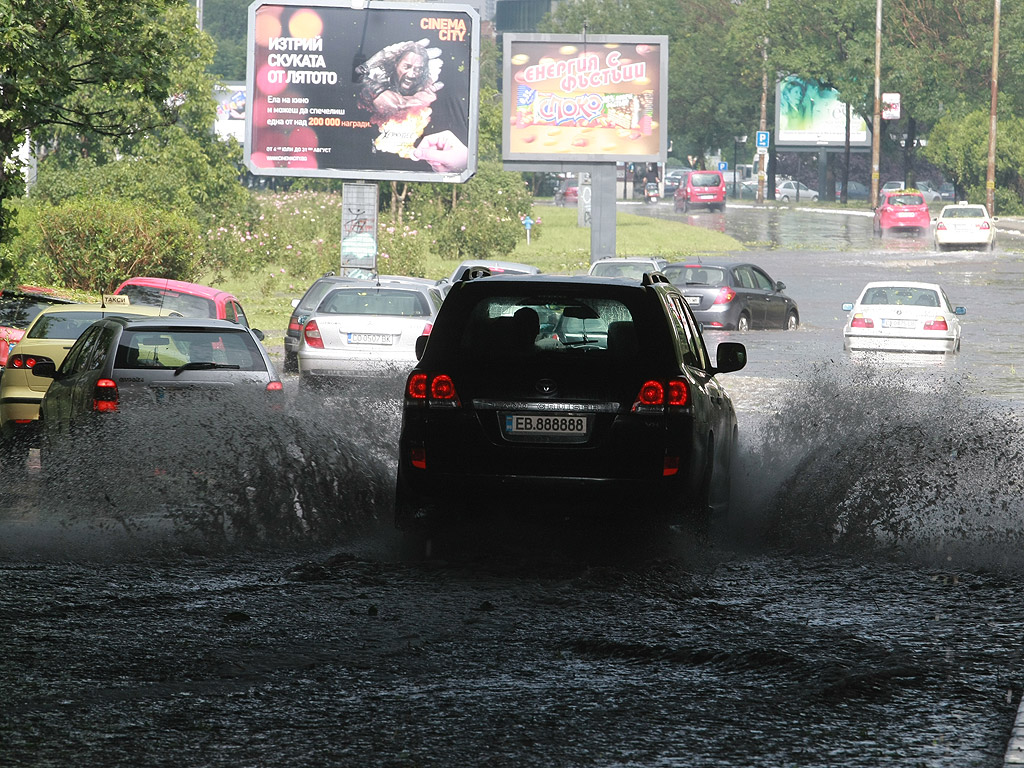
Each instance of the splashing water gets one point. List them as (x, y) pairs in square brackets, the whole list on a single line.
[(869, 457), (218, 474)]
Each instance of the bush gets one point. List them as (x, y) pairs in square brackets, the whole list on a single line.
[(401, 249), (95, 244), (485, 221)]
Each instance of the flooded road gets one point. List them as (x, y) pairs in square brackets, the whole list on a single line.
[(860, 607)]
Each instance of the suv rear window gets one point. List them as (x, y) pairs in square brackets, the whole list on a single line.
[(510, 326), (170, 348), (705, 179), (165, 298)]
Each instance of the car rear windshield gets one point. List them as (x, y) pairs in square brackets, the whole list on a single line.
[(906, 200), (695, 274), (512, 326), (964, 212), (632, 269), (705, 180), (173, 347), (375, 301), (901, 295), (69, 325), (20, 311), (173, 301)]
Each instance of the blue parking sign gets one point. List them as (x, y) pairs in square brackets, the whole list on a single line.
[(723, 166), (762, 139)]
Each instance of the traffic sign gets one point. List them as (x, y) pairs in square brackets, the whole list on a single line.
[(723, 166), (762, 139), (762, 150)]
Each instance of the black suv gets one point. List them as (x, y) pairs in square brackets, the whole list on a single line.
[(575, 393)]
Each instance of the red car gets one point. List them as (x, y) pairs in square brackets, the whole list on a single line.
[(701, 188), (18, 308), (188, 299), (902, 210)]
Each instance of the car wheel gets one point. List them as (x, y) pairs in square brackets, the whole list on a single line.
[(792, 322), (991, 246), (743, 324), (291, 362), (686, 206), (940, 247), (785, 198), (814, 199)]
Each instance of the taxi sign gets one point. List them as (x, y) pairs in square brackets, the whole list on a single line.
[(116, 298)]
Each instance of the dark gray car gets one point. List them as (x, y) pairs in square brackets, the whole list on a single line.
[(734, 296), (120, 365)]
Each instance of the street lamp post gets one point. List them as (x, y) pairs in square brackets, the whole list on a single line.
[(876, 124)]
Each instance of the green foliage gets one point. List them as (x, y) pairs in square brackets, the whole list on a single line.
[(94, 244), (959, 146), (77, 70), (485, 221), (402, 249)]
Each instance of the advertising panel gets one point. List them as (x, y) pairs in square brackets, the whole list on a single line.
[(230, 121), (595, 98), (808, 114), (339, 90)]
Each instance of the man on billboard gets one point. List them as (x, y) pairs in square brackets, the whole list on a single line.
[(399, 86)]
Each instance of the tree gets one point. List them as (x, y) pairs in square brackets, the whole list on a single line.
[(95, 69)]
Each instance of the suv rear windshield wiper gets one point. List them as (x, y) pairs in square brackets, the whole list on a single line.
[(203, 366)]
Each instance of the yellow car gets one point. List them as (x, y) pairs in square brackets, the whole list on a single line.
[(49, 337)]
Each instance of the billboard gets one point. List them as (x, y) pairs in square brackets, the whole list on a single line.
[(339, 90), (808, 114), (594, 98), (230, 122)]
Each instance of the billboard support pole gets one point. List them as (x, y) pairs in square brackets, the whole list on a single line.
[(602, 217)]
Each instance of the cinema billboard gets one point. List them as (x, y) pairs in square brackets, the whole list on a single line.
[(809, 114), (381, 91), (594, 98)]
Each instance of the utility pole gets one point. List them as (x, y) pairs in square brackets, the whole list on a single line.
[(990, 181), (876, 130), (762, 160)]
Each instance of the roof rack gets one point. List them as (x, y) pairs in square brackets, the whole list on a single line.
[(650, 278), (472, 273)]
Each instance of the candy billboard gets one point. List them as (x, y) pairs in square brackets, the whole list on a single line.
[(350, 90), (592, 98)]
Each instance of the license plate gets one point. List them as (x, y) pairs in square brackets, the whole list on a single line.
[(555, 427), (693, 301), (899, 323), (370, 338), (707, 197), (906, 214)]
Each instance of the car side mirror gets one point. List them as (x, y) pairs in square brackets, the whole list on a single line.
[(780, 286), (47, 369), (847, 307), (295, 303), (421, 344), (731, 356), (257, 333), (957, 311)]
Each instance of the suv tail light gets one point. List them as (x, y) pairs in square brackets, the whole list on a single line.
[(312, 335), (725, 295), (657, 395), (104, 396), (426, 389), (938, 324)]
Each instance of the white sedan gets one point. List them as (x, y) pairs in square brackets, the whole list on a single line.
[(366, 330), (964, 225), (902, 317)]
